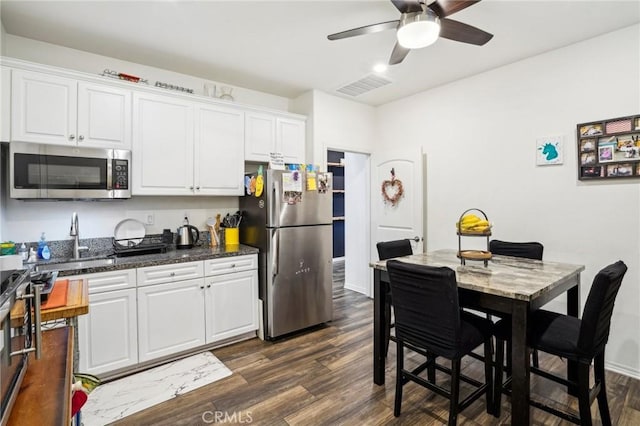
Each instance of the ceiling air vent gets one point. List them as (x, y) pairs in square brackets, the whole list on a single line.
[(363, 85)]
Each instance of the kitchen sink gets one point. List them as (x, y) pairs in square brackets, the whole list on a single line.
[(74, 265)]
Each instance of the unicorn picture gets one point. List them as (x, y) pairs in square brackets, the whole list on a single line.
[(549, 150)]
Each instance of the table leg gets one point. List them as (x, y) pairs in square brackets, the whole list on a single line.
[(573, 308), (519, 364), (379, 301), (73, 322)]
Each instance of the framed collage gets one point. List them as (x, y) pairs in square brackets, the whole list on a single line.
[(609, 148)]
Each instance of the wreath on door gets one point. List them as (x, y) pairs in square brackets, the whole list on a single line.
[(392, 190)]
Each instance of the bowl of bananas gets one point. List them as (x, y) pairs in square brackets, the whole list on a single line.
[(471, 224)]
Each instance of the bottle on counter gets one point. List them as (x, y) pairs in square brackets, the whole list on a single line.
[(24, 254), (41, 246)]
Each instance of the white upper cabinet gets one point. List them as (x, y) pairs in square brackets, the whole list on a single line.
[(290, 135), (219, 150), (104, 116), (185, 148), (162, 153), (51, 109), (266, 133), (5, 104)]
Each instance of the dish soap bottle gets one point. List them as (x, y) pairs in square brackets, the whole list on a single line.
[(42, 244)]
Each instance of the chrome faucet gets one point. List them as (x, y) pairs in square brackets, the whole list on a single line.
[(75, 232)]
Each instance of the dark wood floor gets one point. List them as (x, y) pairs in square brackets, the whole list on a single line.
[(324, 377)]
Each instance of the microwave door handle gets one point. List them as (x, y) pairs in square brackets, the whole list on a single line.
[(109, 174)]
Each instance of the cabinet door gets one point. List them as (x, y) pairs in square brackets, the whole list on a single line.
[(290, 135), (219, 151), (260, 136), (5, 104), (104, 116), (170, 318), (231, 305), (43, 108), (107, 335), (162, 147)]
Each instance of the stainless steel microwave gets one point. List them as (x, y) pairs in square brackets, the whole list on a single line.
[(41, 171)]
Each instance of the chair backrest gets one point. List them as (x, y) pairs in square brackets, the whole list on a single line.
[(532, 250), (425, 302), (395, 248), (596, 318)]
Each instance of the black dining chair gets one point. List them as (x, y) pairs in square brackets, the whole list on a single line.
[(527, 250), (428, 320), (389, 250), (580, 340)]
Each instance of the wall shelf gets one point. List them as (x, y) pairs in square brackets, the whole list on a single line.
[(338, 218), (335, 164), (331, 164)]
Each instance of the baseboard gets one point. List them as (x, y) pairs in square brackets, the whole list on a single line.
[(355, 288), (622, 369)]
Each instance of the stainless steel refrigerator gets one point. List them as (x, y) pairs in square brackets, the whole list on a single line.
[(291, 224)]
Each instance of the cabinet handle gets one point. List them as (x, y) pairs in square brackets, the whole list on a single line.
[(191, 188), (208, 285), (72, 137), (197, 188), (233, 265), (80, 138), (173, 274)]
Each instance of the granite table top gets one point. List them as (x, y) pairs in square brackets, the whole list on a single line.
[(512, 277), (171, 256)]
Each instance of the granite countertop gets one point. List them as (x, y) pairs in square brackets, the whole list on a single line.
[(171, 256), (512, 277)]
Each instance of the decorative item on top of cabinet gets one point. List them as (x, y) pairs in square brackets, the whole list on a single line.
[(470, 225), (56, 110), (609, 149)]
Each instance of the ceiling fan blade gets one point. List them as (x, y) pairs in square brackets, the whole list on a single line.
[(367, 29), (398, 54), (454, 30), (444, 8), (407, 6)]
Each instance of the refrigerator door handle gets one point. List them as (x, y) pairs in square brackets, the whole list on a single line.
[(275, 253)]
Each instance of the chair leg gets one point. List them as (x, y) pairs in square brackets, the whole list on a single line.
[(455, 392), (399, 378), (536, 361), (603, 404), (387, 327), (488, 374), (583, 394), (498, 378)]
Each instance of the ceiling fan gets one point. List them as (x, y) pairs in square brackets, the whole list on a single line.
[(421, 23)]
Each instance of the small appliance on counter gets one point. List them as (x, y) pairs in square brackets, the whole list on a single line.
[(186, 238)]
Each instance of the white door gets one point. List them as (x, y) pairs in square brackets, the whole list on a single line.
[(397, 198), (231, 305), (260, 136), (170, 318), (108, 334), (290, 137), (104, 116), (43, 108), (162, 145), (219, 150)]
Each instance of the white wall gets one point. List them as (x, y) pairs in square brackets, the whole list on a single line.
[(479, 135), (357, 219), (341, 125), (64, 57)]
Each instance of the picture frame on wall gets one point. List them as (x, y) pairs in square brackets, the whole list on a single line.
[(605, 153), (591, 129), (549, 150), (588, 159), (587, 145), (619, 170)]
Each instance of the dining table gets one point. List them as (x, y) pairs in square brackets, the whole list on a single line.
[(508, 286)]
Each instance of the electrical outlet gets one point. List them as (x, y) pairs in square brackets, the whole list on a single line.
[(150, 219), (186, 216)]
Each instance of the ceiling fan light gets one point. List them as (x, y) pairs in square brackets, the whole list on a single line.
[(418, 29)]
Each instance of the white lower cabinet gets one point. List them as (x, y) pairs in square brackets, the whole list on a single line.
[(170, 318), (108, 334), (138, 315), (231, 305)]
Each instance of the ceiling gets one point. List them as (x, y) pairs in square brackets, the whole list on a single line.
[(281, 47)]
